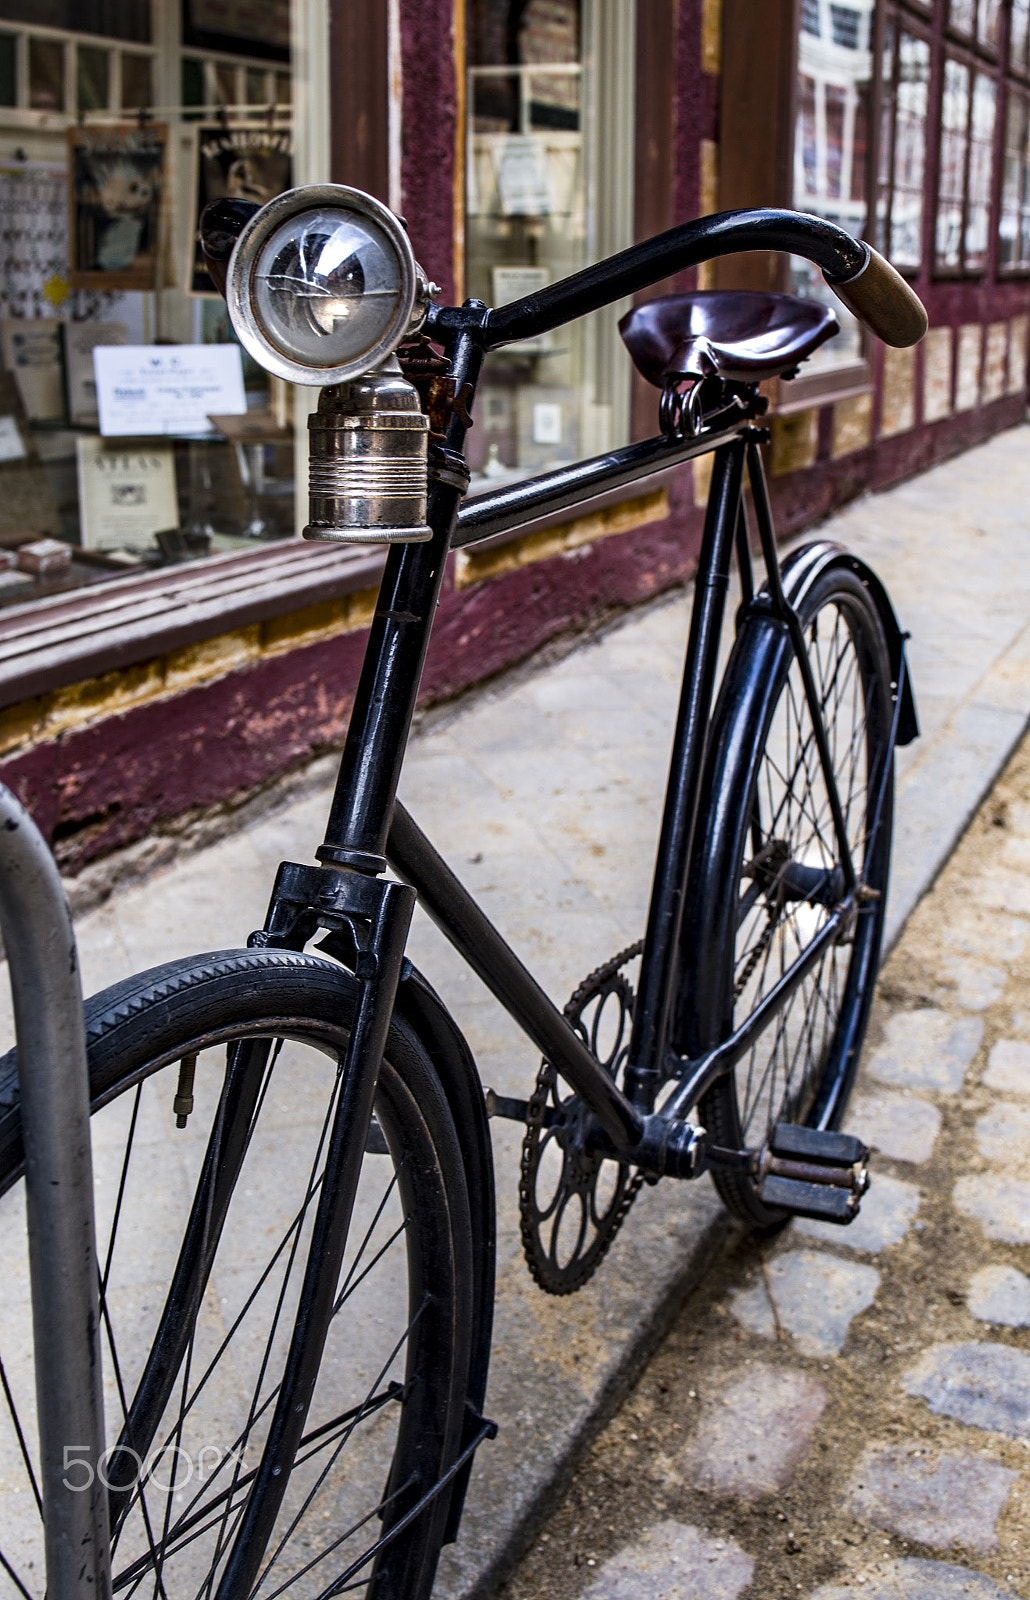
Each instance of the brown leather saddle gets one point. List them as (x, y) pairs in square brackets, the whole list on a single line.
[(738, 335)]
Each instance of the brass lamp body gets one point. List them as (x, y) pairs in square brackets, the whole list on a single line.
[(367, 475)]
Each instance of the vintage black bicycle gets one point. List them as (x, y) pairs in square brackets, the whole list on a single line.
[(295, 1185)]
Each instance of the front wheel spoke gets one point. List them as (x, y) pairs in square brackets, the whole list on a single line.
[(22, 1445), (316, 1486)]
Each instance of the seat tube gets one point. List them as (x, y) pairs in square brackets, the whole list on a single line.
[(391, 672), (645, 1071)]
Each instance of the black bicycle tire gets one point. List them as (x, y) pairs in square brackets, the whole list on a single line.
[(148, 1021), (754, 683)]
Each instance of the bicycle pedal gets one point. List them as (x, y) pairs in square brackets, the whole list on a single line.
[(817, 1145), (820, 1201), (812, 1172)]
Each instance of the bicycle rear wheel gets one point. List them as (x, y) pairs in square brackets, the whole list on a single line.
[(202, 1242), (767, 871)]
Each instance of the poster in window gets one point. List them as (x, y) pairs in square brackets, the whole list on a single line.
[(116, 179), (243, 164)]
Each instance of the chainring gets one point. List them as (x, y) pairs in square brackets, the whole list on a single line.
[(572, 1203)]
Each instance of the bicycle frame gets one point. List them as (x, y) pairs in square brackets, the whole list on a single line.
[(366, 827)]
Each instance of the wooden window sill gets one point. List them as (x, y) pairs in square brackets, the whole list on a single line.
[(69, 637), (790, 395)]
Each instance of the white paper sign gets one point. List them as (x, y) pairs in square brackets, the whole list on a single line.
[(522, 177), (12, 446), (126, 493), (151, 389)]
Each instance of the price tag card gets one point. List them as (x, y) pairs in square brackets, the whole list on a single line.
[(162, 389)]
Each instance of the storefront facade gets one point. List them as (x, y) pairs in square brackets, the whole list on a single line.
[(181, 648)]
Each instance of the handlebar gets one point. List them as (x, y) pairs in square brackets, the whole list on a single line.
[(858, 275)]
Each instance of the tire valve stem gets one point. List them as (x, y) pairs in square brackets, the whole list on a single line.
[(182, 1105)]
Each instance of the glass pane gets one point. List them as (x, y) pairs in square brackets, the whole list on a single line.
[(989, 22), (283, 89), (886, 152), (1012, 181), (137, 83), (831, 148), (1018, 31), (8, 69), (980, 151), (810, 17), (192, 81), (46, 75), (92, 77), (112, 19), (527, 226), (225, 85), (257, 87), (954, 144), (962, 15), (906, 246)]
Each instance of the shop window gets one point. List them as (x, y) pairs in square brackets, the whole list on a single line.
[(964, 184), (904, 110), (101, 250), (831, 144), (549, 172), (1014, 221), (979, 20)]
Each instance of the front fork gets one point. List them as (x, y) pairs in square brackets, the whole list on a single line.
[(373, 914)]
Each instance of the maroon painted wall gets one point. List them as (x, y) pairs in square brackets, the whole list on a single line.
[(97, 788)]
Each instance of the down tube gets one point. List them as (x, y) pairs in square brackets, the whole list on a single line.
[(645, 1072)]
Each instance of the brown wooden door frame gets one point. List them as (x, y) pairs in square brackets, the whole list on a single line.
[(359, 90), (758, 104)]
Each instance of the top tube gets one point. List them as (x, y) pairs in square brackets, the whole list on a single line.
[(839, 254)]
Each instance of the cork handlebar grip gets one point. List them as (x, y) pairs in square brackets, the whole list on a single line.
[(880, 297)]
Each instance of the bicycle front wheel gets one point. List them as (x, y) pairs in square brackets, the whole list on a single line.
[(202, 1236), (768, 871)]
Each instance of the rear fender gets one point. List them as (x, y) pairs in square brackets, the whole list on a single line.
[(805, 566)]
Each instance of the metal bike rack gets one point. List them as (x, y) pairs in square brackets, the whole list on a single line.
[(54, 1086)]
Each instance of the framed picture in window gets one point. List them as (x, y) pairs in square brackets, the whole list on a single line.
[(116, 182), (245, 163)]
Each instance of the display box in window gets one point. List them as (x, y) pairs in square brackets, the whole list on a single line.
[(127, 493), (116, 179), (240, 164)]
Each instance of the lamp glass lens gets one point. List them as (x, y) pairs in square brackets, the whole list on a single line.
[(327, 286)]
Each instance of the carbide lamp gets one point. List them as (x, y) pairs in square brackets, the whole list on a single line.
[(321, 289)]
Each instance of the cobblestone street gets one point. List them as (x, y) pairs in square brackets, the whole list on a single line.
[(849, 1409)]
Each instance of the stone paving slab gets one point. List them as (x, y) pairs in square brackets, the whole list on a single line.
[(816, 1297), (1008, 1067), (999, 1203), (984, 1385), (957, 1501), (1000, 1295), (673, 1561), (926, 1049), (752, 1432), (920, 1580), (901, 1126)]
